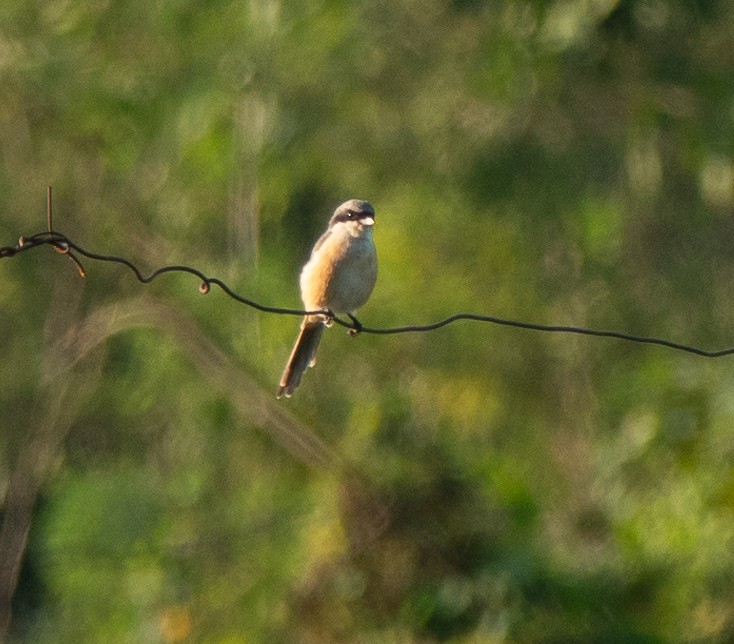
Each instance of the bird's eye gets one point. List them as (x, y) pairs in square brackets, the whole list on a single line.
[(351, 214)]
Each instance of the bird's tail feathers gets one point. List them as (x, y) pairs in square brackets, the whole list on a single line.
[(303, 355)]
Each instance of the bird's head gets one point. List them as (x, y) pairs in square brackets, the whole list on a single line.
[(356, 214)]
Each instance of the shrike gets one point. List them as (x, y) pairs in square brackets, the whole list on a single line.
[(338, 277)]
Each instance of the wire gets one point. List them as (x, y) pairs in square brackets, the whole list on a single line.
[(71, 249)]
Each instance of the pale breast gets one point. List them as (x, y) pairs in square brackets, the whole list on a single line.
[(340, 274)]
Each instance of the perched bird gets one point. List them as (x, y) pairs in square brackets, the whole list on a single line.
[(338, 277)]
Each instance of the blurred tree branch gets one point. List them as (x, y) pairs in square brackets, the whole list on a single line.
[(69, 379)]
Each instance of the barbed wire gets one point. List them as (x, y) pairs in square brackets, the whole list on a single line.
[(63, 244)]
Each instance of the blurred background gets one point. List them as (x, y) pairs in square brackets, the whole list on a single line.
[(559, 162)]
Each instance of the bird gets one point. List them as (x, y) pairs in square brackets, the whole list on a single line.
[(338, 278)]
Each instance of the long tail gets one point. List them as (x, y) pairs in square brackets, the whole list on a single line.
[(303, 355)]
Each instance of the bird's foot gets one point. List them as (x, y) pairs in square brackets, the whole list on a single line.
[(357, 328)]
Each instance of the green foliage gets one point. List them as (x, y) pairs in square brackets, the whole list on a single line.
[(560, 162)]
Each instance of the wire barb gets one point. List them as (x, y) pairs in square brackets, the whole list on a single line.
[(62, 244), (49, 213), (59, 246)]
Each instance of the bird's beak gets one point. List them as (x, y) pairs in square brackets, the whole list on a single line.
[(367, 221)]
